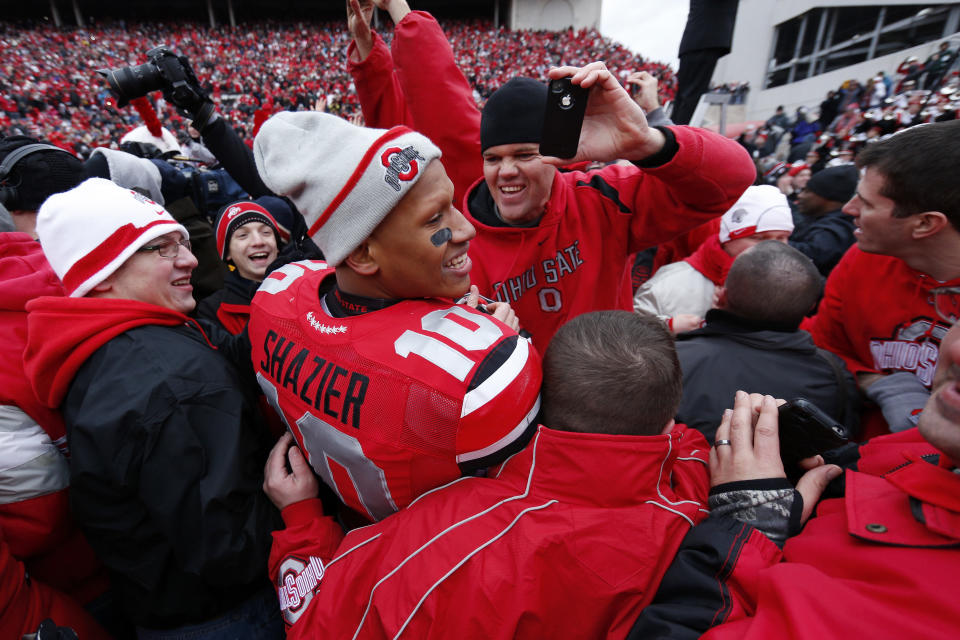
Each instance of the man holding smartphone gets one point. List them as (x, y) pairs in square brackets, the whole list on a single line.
[(881, 561), (553, 244)]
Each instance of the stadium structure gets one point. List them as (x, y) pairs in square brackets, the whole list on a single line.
[(793, 51), (513, 14)]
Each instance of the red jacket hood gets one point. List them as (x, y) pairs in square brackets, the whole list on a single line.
[(63, 332), (711, 260), (24, 272)]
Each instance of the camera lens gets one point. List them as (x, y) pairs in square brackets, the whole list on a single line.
[(559, 86), (132, 82)]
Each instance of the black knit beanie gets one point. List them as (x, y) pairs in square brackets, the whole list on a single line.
[(514, 113), (39, 175), (835, 183)]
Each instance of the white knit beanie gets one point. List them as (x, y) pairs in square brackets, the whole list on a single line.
[(344, 179), (760, 208), (88, 232)]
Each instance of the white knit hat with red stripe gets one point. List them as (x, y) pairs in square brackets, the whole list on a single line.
[(344, 179), (760, 208), (88, 232)]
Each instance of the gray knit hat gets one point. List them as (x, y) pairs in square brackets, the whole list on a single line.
[(344, 179)]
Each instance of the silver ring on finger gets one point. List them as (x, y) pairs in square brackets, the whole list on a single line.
[(720, 443)]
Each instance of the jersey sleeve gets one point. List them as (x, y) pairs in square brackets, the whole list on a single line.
[(500, 407), (25, 603), (299, 556), (712, 580), (439, 97), (489, 376)]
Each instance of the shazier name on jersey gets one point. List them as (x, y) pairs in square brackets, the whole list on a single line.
[(392, 403)]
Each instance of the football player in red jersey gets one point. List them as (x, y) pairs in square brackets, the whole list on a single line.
[(390, 388)]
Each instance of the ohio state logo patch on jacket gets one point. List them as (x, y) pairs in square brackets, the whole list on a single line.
[(914, 347)]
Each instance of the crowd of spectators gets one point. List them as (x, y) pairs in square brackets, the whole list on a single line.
[(855, 114), (49, 87)]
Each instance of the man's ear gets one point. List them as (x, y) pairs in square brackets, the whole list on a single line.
[(104, 286), (929, 223), (362, 260)]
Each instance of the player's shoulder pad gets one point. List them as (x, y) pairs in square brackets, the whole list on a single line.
[(288, 279)]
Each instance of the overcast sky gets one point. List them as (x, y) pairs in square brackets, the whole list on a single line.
[(648, 27)]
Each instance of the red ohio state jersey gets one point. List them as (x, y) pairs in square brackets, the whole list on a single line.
[(390, 404)]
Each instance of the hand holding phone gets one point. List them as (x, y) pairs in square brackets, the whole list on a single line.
[(563, 118), (806, 431)]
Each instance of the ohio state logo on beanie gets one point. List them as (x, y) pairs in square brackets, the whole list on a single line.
[(760, 208), (235, 216), (401, 164), (139, 197), (335, 173)]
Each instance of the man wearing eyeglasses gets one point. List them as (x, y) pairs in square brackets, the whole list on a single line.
[(167, 449), (877, 312)]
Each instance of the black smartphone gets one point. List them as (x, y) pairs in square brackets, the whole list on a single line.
[(805, 431), (563, 118)]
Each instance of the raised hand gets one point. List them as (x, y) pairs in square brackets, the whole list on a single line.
[(359, 14), (614, 126), (647, 94)]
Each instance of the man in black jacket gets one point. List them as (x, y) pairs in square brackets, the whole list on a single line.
[(823, 232), (167, 447), (752, 341)]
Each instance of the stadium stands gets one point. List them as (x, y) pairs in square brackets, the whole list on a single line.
[(49, 87)]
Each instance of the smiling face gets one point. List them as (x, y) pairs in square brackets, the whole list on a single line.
[(146, 276), (409, 264), (253, 247), (519, 181)]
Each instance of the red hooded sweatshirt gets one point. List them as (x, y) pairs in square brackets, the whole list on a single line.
[(39, 537), (64, 332)]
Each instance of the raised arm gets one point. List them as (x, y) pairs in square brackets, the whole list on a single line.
[(371, 66), (687, 175), (438, 95)]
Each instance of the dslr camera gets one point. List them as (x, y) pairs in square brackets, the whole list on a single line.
[(164, 71)]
